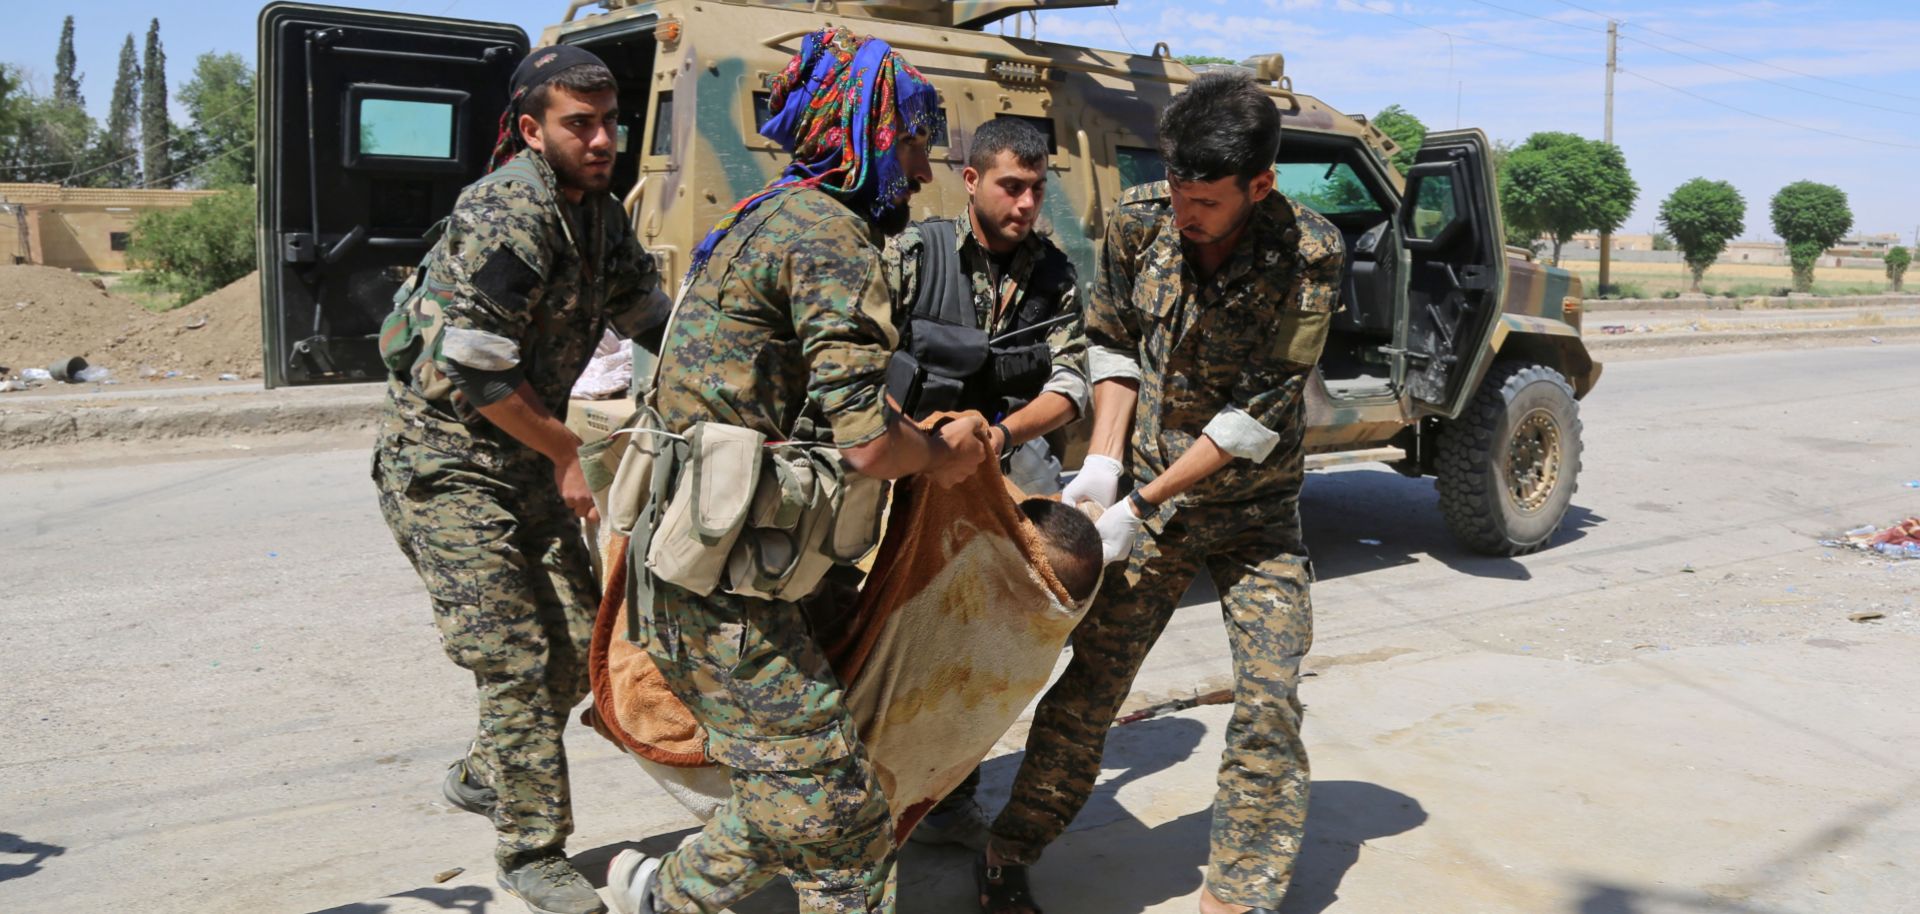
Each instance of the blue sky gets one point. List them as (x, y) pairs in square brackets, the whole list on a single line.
[(1825, 91)]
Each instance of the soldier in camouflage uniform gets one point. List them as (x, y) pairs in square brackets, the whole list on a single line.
[(478, 477), (785, 327), (1208, 315), (1016, 278)]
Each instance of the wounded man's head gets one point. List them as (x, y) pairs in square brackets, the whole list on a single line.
[(1072, 544)]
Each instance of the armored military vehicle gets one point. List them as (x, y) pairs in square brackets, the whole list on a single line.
[(1453, 356)]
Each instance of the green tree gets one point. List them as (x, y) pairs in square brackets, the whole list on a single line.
[(42, 140), (156, 130), (1810, 217), (218, 143), (1898, 259), (1517, 235), (1406, 131), (1702, 216), (1197, 59), (196, 249), (66, 82), (119, 148), (1559, 185), (1663, 241)]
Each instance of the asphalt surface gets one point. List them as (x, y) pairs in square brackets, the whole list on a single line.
[(225, 693)]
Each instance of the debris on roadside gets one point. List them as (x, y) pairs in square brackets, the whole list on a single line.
[(1866, 615), (1899, 541), (445, 875)]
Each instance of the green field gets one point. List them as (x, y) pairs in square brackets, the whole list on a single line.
[(1658, 280)]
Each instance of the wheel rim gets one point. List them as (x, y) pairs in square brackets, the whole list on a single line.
[(1533, 460)]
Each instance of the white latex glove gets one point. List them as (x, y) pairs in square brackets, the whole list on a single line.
[(1118, 527), (1098, 481)]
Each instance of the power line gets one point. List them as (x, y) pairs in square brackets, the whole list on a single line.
[(1751, 60), (1509, 9), (1771, 82), (131, 155), (197, 167), (1123, 30), (1766, 117), (1495, 44)]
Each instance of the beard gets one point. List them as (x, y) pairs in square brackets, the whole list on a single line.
[(894, 219), (573, 174)]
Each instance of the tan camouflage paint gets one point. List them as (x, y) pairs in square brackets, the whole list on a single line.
[(1098, 102)]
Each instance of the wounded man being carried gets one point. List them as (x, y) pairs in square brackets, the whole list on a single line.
[(958, 626)]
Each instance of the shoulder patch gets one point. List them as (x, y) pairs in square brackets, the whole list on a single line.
[(1146, 193), (506, 280)]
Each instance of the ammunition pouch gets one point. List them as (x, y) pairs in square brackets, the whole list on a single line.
[(729, 512)]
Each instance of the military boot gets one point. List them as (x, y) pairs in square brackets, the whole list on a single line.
[(465, 790), (550, 885)]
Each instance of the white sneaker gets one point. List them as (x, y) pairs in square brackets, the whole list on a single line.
[(630, 882)]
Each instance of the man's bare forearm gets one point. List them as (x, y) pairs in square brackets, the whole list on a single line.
[(1047, 412), (524, 417), (1113, 403), (1202, 460)]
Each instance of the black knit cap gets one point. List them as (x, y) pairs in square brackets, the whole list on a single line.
[(543, 65), (539, 68)]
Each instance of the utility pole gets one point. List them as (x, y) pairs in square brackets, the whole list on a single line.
[(1613, 63)]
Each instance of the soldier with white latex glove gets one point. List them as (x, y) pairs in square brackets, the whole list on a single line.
[(1118, 527), (1098, 481)]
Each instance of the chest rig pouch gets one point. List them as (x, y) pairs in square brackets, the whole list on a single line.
[(941, 348)]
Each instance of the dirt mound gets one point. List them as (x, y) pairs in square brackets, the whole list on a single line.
[(47, 313), (215, 335)]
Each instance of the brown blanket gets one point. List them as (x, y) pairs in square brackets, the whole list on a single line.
[(957, 627)]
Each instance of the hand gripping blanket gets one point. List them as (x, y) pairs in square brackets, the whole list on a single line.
[(956, 628)]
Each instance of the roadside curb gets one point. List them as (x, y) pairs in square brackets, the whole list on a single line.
[(1750, 303), (47, 421), (1682, 338)]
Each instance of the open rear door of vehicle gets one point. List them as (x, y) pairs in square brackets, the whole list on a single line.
[(370, 125), (1455, 241)]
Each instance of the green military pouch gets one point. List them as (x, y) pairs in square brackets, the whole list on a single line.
[(856, 523), (767, 549)]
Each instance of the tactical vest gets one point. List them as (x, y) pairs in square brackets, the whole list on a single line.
[(946, 361)]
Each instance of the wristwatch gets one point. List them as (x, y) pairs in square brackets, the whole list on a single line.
[(1142, 508), (1006, 438)]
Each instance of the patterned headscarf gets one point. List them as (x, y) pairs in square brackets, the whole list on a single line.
[(839, 107)]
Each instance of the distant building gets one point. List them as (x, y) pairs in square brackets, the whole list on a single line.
[(79, 228), (1621, 242), (1864, 245)]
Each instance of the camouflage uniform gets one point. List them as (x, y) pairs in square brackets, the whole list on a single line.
[(1227, 357), (787, 323), (518, 277), (997, 298)]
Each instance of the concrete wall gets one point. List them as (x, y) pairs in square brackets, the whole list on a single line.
[(74, 228)]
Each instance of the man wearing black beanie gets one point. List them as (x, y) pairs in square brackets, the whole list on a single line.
[(479, 478)]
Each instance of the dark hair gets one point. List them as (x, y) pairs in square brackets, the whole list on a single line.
[(584, 79), (1072, 544), (1222, 125), (1007, 134)]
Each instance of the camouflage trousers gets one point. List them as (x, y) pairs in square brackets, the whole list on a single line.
[(806, 801), (1259, 812), (514, 598)]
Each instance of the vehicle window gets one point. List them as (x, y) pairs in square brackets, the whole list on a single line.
[(1330, 188), (763, 112), (662, 143), (403, 127), (1433, 207), (1138, 165)]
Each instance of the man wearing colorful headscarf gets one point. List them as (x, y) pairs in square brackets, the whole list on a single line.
[(785, 328)]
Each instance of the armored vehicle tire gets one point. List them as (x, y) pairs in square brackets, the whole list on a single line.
[(1509, 465)]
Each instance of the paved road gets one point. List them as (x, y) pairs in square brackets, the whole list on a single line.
[(224, 693)]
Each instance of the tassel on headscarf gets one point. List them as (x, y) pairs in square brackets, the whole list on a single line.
[(839, 107)]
